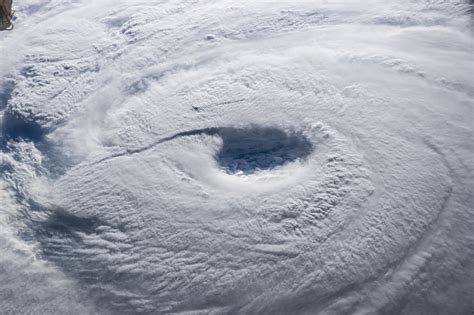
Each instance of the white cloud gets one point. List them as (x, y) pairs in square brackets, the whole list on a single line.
[(164, 169)]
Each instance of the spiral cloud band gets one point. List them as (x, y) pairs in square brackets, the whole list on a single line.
[(250, 157)]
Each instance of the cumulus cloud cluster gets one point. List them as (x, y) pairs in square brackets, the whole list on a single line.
[(252, 157)]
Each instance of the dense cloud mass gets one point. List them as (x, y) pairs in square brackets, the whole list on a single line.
[(270, 157)]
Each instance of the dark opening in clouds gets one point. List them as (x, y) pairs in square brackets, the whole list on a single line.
[(260, 148)]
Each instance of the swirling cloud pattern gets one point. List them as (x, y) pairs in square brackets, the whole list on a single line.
[(291, 157)]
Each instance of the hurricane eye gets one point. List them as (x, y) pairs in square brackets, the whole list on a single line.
[(248, 150)]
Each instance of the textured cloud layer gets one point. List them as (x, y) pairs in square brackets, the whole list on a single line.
[(252, 157)]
